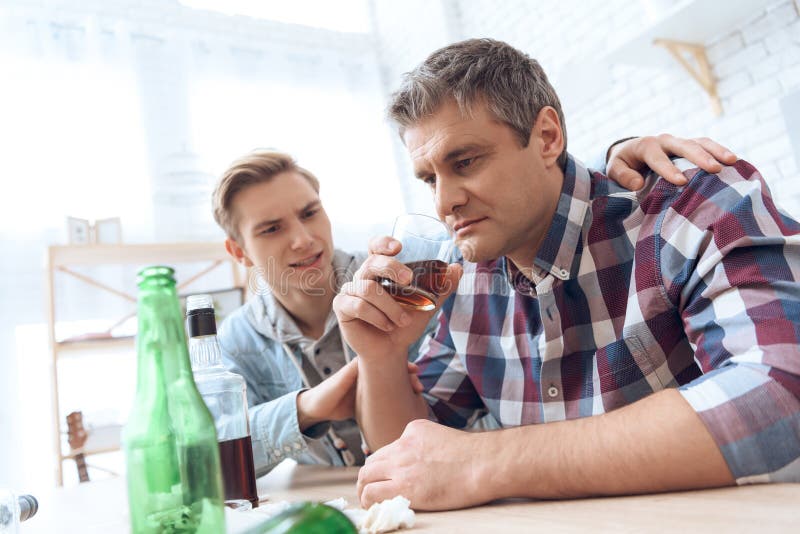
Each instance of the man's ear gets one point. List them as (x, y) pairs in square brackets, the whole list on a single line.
[(237, 252), (551, 136)]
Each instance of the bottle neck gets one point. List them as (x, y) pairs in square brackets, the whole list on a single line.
[(201, 325), (201, 322), (204, 353), (161, 348)]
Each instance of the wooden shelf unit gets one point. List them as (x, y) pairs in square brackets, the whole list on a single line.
[(61, 258)]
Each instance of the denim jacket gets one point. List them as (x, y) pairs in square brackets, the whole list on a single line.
[(252, 341)]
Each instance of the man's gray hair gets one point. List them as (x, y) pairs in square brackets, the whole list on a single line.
[(513, 85)]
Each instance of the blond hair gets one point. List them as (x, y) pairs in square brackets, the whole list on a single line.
[(254, 168)]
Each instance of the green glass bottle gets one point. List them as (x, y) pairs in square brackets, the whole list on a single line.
[(173, 467), (307, 518)]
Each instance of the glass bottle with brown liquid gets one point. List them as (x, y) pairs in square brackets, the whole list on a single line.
[(225, 394)]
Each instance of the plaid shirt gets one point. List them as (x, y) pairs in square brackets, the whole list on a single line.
[(694, 287)]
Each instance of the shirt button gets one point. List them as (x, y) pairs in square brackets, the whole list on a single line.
[(327, 370), (278, 452), (552, 391), (287, 448), (563, 272), (298, 446)]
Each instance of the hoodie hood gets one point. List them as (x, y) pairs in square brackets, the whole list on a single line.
[(270, 319)]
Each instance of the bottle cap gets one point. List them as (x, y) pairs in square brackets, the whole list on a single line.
[(200, 318), (28, 506), (198, 302)]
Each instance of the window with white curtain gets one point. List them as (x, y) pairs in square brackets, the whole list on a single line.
[(72, 140), (132, 109)]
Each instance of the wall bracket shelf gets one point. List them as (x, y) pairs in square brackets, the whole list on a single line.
[(684, 53)]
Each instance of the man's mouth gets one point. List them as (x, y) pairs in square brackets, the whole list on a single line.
[(464, 227), (307, 262)]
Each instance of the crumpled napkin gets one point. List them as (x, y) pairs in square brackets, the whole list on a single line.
[(385, 516)]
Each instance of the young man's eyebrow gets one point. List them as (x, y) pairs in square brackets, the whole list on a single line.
[(312, 204), (270, 222), (263, 224)]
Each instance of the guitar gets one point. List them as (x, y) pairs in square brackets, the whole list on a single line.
[(77, 437)]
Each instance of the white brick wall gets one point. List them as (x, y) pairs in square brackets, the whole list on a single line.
[(755, 64)]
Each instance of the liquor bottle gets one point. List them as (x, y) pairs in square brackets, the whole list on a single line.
[(173, 467), (225, 394)]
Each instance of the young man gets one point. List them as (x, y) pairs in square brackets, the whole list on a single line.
[(627, 342), (285, 340)]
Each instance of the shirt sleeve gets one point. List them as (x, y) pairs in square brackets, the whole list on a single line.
[(451, 396), (274, 428), (730, 261)]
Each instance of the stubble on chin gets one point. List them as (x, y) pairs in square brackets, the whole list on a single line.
[(469, 251)]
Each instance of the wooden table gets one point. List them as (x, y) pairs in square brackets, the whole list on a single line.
[(102, 507)]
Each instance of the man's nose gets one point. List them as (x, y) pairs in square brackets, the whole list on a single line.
[(449, 196), (301, 237)]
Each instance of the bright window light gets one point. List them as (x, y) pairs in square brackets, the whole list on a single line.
[(342, 15)]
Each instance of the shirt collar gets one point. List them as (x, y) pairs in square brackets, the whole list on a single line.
[(557, 252)]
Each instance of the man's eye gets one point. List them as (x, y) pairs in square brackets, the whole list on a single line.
[(464, 163), (269, 230), (309, 213), (430, 181)]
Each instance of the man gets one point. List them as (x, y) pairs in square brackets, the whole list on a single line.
[(627, 342), (285, 340)]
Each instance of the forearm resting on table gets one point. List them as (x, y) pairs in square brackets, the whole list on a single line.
[(656, 444), (385, 402)]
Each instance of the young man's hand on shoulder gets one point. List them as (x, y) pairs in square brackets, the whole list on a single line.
[(629, 160)]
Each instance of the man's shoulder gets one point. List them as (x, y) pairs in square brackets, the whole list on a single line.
[(721, 190), (237, 335), (234, 322), (708, 194)]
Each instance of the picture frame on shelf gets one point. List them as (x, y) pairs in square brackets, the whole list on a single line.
[(108, 231), (103, 231), (79, 231)]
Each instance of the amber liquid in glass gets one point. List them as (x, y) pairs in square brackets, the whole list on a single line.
[(238, 473), (426, 284)]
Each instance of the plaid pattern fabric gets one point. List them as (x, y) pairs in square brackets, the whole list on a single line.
[(694, 287)]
